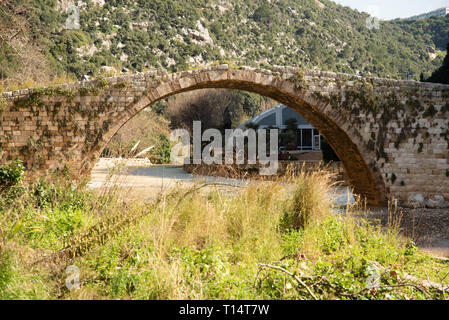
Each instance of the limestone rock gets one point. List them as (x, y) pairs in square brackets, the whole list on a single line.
[(436, 201), (415, 201), (200, 36)]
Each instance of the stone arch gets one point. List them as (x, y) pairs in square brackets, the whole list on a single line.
[(358, 161)]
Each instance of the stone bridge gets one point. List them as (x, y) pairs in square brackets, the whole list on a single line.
[(392, 136)]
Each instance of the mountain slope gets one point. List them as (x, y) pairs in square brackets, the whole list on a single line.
[(140, 34), (433, 31)]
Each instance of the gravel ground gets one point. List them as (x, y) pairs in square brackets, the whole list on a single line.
[(429, 228), (141, 182), (109, 163)]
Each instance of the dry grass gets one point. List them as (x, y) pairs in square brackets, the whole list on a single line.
[(145, 129), (208, 242), (27, 83), (310, 199)]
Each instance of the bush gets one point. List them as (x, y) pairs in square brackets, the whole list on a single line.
[(162, 151), (264, 14), (60, 193), (329, 154), (11, 175), (11, 187), (6, 272)]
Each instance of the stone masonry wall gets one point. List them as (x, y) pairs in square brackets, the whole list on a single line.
[(392, 136)]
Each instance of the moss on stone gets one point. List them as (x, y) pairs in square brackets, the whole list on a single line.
[(299, 79), (430, 112)]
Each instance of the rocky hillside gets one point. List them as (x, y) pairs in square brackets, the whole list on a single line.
[(137, 35), (433, 31)]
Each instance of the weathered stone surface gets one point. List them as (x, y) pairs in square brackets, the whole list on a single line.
[(415, 201), (392, 136), (436, 201)]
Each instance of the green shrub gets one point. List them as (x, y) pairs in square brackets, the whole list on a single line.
[(264, 14), (62, 194), (6, 272), (411, 249), (162, 150), (3, 104), (430, 112), (11, 186), (292, 242), (11, 175)]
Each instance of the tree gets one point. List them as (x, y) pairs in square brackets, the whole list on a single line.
[(264, 14), (289, 136), (215, 108), (442, 74), (20, 58), (329, 154)]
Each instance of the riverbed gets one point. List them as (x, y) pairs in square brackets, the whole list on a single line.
[(142, 181)]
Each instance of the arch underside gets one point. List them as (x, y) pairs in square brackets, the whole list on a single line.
[(366, 182)]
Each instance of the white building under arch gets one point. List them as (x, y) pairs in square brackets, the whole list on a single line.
[(307, 137)]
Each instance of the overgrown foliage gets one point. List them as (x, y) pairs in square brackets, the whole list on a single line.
[(11, 175), (145, 130), (21, 59), (215, 108), (205, 242), (162, 150), (433, 31)]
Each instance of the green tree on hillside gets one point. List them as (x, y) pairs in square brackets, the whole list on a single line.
[(442, 74), (143, 35), (264, 14)]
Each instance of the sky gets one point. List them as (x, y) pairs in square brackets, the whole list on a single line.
[(391, 9)]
